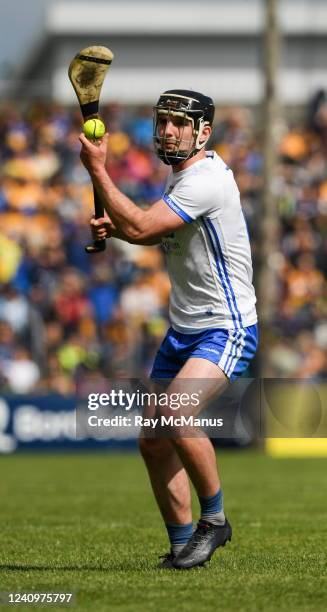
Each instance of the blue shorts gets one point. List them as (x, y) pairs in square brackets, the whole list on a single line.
[(230, 349)]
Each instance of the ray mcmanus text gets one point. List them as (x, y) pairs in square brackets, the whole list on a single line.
[(163, 421)]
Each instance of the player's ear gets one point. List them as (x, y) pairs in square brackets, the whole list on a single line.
[(205, 134)]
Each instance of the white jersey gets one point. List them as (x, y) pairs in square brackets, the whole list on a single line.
[(209, 257)]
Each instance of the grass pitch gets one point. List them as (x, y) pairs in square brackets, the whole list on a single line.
[(88, 523)]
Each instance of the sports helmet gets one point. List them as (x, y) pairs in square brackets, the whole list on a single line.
[(189, 106)]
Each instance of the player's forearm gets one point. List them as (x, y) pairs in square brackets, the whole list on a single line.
[(115, 233), (129, 220)]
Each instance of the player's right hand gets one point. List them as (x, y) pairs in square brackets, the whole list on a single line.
[(101, 228)]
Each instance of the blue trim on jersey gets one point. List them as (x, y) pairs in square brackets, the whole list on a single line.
[(221, 276), (225, 270), (177, 209), (248, 351), (231, 355), (209, 344), (237, 343)]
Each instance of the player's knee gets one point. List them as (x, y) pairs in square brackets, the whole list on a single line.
[(154, 447), (178, 441)]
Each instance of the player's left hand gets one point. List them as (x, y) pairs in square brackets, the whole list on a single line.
[(93, 156), (101, 228)]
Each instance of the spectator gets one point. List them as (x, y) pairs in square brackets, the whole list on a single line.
[(21, 372), (63, 313)]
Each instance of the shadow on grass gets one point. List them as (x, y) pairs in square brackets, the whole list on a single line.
[(96, 567)]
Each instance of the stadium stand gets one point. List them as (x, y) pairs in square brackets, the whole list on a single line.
[(63, 313)]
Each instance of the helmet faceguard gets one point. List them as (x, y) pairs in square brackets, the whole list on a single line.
[(182, 107)]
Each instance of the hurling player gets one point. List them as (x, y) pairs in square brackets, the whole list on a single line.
[(213, 333)]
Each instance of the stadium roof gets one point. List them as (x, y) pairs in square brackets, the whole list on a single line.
[(196, 18), (213, 45)]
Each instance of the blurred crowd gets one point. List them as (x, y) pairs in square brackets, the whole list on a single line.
[(66, 316)]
